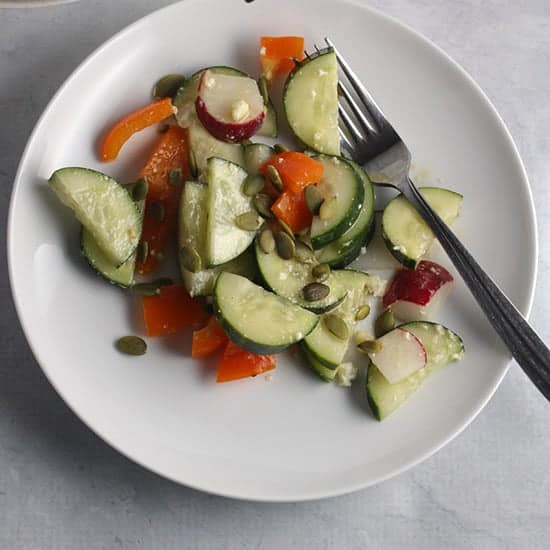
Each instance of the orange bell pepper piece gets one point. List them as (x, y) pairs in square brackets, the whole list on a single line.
[(277, 54), (170, 154), (171, 310), (292, 209), (237, 363), (208, 339), (297, 170), (128, 125)]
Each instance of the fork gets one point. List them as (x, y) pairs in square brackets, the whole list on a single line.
[(368, 138)]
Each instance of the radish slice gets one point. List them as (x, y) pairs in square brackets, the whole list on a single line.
[(401, 355), (230, 107), (417, 294)]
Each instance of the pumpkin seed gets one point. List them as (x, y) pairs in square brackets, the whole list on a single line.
[(190, 259), (167, 86), (314, 199), (253, 184), (262, 203), (175, 176), (280, 148), (327, 208), (304, 254), (157, 211), (285, 246), (275, 178), (164, 128), (369, 346), (360, 336), (151, 288), (262, 84), (362, 312), (284, 226), (142, 252), (193, 168), (321, 272), (249, 221), (313, 292), (384, 323), (267, 241), (139, 189), (131, 345), (337, 326)]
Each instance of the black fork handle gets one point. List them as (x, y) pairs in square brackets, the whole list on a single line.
[(530, 352)]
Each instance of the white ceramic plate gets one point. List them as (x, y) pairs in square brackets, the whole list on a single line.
[(292, 438)]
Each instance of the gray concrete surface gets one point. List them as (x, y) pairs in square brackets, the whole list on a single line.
[(63, 488)]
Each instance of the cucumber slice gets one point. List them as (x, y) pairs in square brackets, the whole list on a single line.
[(347, 248), (192, 232), (325, 373), (257, 320), (343, 188), (224, 240), (287, 278), (321, 344), (103, 207), (442, 346), (406, 234), (255, 154), (310, 100)]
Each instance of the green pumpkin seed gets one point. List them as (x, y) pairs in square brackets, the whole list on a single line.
[(253, 185), (151, 288), (139, 191), (175, 177), (167, 86), (280, 148), (321, 272), (193, 168), (262, 203), (314, 199), (286, 229), (285, 246), (142, 252), (313, 292), (157, 211), (262, 84), (369, 346), (384, 323), (267, 241), (131, 345), (190, 259), (337, 326), (304, 254), (249, 221), (275, 178), (362, 312), (328, 208)]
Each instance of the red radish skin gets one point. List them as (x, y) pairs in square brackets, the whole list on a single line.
[(416, 294), (402, 354), (220, 99)]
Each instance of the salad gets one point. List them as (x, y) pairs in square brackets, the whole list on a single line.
[(273, 241)]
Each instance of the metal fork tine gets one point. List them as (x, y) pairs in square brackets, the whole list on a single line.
[(360, 90), (361, 118), (345, 140), (351, 127)]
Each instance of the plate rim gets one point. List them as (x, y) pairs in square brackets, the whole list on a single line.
[(476, 409)]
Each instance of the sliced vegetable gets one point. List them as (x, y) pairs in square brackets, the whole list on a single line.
[(167, 86), (258, 320), (230, 107), (296, 170), (255, 156), (127, 126), (161, 207), (277, 54), (171, 311), (237, 363), (311, 103), (208, 339), (292, 209), (270, 125), (325, 373), (347, 248), (343, 193), (290, 278), (442, 346), (406, 234), (103, 207)]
